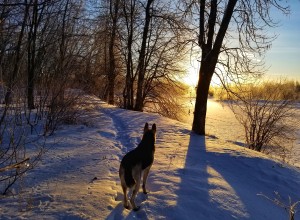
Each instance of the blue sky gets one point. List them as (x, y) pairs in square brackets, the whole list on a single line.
[(283, 59)]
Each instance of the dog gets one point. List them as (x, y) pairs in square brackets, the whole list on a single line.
[(136, 162)]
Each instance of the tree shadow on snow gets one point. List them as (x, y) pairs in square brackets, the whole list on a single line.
[(204, 192), (213, 184), (194, 182), (223, 185)]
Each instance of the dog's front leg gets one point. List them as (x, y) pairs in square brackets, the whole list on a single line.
[(132, 199), (145, 176)]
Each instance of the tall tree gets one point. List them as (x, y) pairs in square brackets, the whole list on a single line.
[(114, 11), (142, 56), (151, 46), (129, 14), (17, 53), (230, 34), (32, 55)]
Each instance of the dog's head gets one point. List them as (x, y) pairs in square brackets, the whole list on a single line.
[(149, 134)]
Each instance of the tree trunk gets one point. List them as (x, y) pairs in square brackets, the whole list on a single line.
[(141, 65), (128, 90), (205, 76), (32, 56), (210, 53), (128, 86), (17, 61), (112, 59), (106, 69)]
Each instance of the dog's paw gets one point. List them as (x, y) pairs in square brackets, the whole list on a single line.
[(136, 208)]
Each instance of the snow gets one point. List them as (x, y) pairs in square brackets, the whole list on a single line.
[(193, 177), (221, 123)]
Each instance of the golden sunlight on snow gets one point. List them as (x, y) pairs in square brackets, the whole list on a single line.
[(224, 195)]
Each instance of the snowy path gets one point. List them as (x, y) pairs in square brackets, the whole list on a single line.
[(192, 177)]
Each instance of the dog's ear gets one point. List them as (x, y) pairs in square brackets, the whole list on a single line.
[(154, 128), (146, 127)]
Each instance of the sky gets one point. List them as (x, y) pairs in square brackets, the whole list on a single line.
[(283, 59)]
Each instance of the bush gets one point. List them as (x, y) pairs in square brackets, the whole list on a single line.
[(18, 130), (166, 100), (268, 122), (62, 110)]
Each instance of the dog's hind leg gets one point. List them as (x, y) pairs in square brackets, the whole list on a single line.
[(124, 187), (145, 176), (126, 206), (137, 172)]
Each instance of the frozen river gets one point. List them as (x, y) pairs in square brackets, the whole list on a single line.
[(221, 122)]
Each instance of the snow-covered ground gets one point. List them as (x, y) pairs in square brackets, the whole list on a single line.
[(221, 122), (193, 177)]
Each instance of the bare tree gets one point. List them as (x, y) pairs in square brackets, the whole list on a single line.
[(152, 45), (34, 52), (130, 12), (16, 49), (114, 14), (232, 38), (142, 56), (55, 54)]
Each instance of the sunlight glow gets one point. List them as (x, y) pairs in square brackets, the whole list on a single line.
[(192, 74)]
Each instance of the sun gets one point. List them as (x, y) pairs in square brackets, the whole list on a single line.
[(191, 77), (192, 74)]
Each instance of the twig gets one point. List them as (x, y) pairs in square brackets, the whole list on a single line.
[(13, 166)]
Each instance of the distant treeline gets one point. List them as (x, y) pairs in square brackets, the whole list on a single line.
[(285, 90)]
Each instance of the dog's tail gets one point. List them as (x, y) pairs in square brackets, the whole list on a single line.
[(128, 177)]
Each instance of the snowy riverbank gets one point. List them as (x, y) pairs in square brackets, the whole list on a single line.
[(222, 123)]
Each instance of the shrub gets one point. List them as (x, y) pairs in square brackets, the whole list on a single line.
[(268, 122)]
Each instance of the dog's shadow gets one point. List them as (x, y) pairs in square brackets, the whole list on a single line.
[(119, 212)]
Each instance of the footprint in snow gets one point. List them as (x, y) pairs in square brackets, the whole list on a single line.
[(107, 134)]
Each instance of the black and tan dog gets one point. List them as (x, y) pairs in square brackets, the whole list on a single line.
[(136, 162)]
